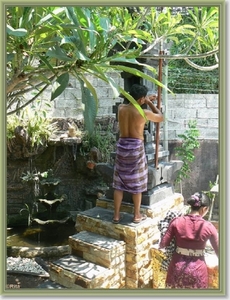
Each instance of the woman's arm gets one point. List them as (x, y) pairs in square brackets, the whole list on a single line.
[(168, 236), (215, 241)]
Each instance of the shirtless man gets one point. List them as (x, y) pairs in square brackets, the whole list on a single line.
[(131, 170)]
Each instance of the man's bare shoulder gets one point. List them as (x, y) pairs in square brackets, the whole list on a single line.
[(122, 105)]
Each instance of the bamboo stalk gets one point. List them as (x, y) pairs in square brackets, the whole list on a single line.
[(158, 106)]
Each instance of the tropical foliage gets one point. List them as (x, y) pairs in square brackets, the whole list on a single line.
[(185, 152), (29, 128), (47, 45), (197, 75)]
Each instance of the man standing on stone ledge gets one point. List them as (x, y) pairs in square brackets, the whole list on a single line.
[(131, 170)]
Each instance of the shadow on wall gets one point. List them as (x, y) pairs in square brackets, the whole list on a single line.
[(204, 168)]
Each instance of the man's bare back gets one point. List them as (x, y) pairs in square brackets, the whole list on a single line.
[(131, 122)]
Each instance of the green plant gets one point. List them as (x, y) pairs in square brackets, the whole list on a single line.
[(27, 209), (186, 151), (104, 141), (209, 193), (33, 120), (30, 176)]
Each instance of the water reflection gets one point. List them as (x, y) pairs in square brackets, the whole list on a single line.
[(35, 236)]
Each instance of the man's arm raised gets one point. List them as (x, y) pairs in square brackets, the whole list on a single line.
[(154, 114)]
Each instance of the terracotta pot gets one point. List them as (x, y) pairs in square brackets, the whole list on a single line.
[(90, 165)]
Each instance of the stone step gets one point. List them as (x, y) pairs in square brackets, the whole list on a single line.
[(76, 273), (137, 237), (104, 251), (99, 220)]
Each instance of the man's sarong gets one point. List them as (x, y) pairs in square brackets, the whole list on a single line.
[(130, 170)]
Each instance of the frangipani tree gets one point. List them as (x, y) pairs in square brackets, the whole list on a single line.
[(45, 45)]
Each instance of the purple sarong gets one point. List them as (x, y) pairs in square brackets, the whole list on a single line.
[(130, 170)]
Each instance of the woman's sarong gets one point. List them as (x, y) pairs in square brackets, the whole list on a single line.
[(130, 170), (187, 272)]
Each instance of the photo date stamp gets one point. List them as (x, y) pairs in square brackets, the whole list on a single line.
[(13, 286)]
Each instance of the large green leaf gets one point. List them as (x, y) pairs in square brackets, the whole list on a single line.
[(49, 16), (57, 52), (99, 72), (114, 86), (91, 88), (73, 40), (90, 111), (16, 32), (46, 62), (140, 74), (72, 15), (59, 85), (91, 30)]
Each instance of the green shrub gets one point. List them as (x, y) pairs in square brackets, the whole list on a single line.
[(34, 121), (186, 151), (103, 140)]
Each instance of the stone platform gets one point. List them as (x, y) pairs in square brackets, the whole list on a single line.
[(108, 255)]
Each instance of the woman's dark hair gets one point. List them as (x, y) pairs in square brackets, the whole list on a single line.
[(137, 91), (198, 200)]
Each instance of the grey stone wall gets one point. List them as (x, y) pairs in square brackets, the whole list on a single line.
[(200, 107), (178, 110), (204, 169), (69, 105)]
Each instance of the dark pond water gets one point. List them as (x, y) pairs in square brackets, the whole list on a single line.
[(39, 236)]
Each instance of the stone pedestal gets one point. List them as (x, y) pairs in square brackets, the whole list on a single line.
[(160, 181)]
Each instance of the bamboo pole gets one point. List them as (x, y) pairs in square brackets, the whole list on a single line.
[(159, 107)]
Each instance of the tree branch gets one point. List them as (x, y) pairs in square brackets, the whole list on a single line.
[(30, 101), (209, 68), (180, 56), (152, 46)]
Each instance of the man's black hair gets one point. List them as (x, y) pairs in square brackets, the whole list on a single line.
[(138, 91)]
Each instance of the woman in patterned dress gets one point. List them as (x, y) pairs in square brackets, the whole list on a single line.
[(188, 269)]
